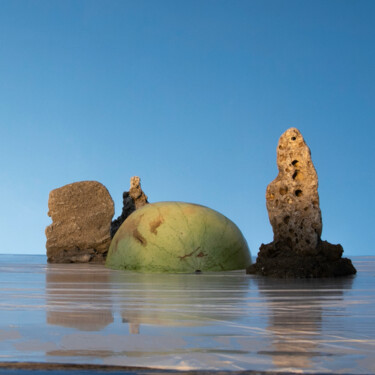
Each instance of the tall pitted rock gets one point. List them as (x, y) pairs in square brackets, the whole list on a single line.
[(132, 200), (81, 215), (292, 198), (293, 208)]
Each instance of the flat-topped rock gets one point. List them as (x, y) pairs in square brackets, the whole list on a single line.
[(81, 215), (294, 212)]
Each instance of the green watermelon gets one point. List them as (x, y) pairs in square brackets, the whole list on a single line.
[(178, 237)]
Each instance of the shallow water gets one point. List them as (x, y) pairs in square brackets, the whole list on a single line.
[(228, 321)]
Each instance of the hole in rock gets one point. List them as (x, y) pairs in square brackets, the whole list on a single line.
[(306, 208), (271, 196), (307, 241), (293, 138), (298, 193), (198, 271), (286, 219), (294, 162), (283, 190), (297, 175)]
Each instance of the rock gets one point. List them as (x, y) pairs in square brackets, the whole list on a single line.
[(178, 237), (293, 208), (292, 198), (81, 215), (132, 200)]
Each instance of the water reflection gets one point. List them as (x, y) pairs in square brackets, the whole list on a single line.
[(78, 296), (179, 299), (216, 307), (297, 310), (223, 322), (90, 299), (86, 297)]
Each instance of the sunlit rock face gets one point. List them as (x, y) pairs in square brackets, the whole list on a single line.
[(178, 237), (293, 208), (292, 198), (81, 215)]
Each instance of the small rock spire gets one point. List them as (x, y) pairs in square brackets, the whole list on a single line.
[(136, 192), (132, 200)]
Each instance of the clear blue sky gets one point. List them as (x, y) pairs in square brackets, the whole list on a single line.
[(191, 96)]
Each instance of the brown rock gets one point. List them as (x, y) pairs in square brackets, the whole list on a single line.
[(81, 215), (132, 200), (293, 208), (292, 198)]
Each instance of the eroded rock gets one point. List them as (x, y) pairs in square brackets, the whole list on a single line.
[(292, 198), (293, 208), (81, 215), (132, 200)]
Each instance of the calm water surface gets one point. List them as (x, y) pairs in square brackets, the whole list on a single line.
[(229, 321)]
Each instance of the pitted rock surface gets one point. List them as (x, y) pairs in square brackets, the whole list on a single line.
[(132, 200), (81, 215), (293, 208), (292, 198)]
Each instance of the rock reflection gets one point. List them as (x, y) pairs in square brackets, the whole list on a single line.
[(179, 299), (78, 296), (297, 311)]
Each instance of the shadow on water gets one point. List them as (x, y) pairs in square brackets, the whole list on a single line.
[(297, 310)]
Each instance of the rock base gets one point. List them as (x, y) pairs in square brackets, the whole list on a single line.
[(79, 255), (280, 261)]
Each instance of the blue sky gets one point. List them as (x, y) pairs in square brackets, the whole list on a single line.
[(191, 96)]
